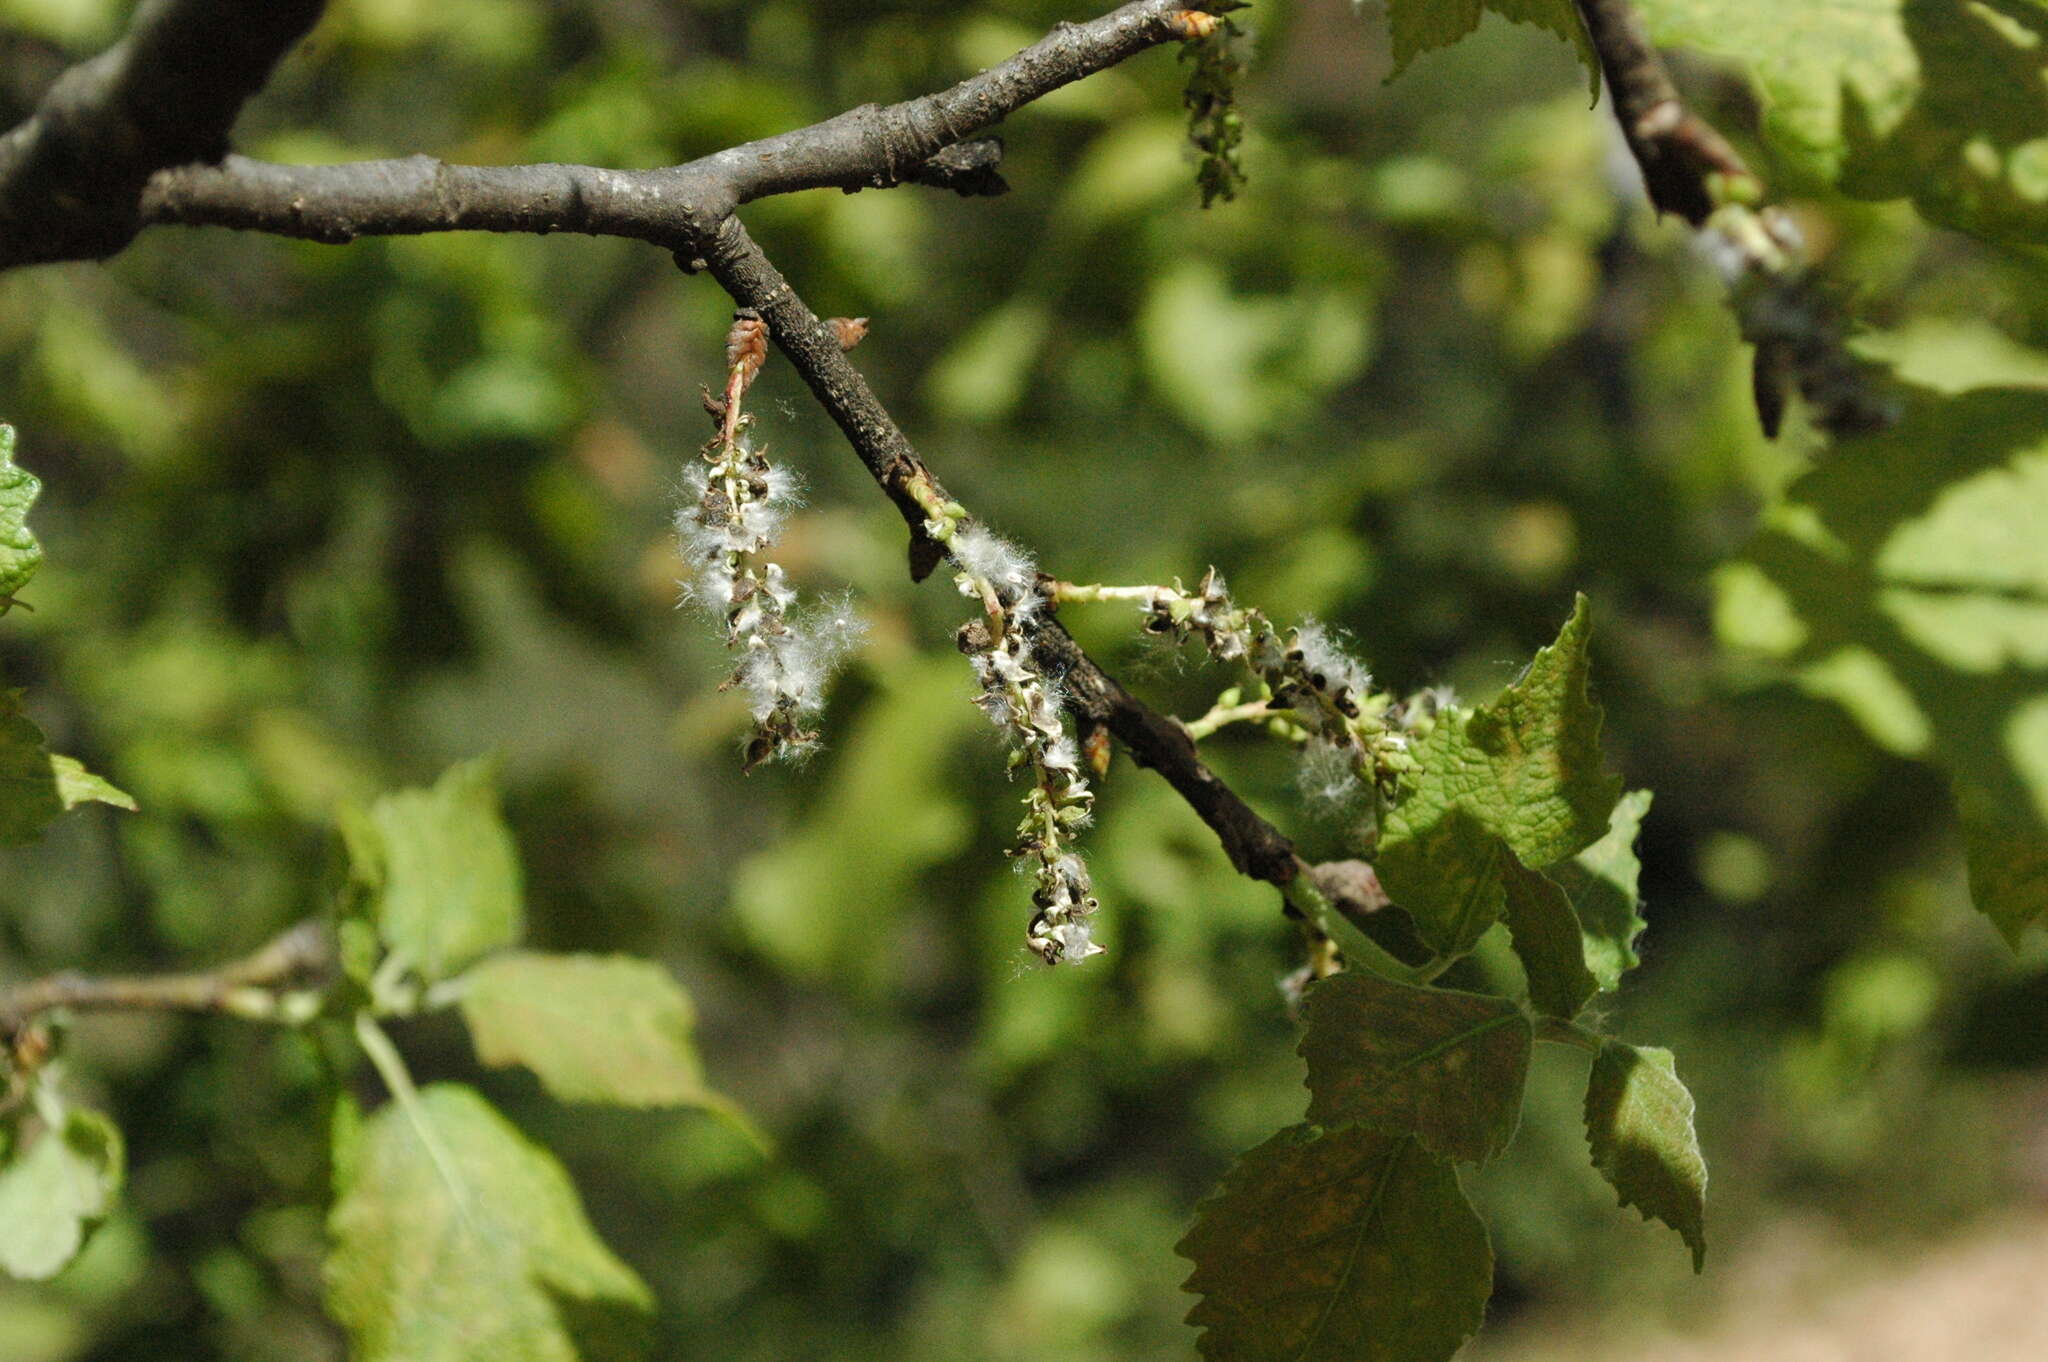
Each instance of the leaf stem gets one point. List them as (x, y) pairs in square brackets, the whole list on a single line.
[(1221, 716), (270, 984), (1359, 949), (390, 1067), (1090, 593), (1560, 1032)]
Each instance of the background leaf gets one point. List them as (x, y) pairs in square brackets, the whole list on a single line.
[(28, 784), (20, 554), (1940, 100), (1442, 1066), (1639, 1124), (592, 1028), (1906, 577), (1418, 26), (1345, 1246), (445, 873), (505, 1266), (54, 1192)]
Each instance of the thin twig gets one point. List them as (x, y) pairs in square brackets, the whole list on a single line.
[(300, 959), (1096, 699)]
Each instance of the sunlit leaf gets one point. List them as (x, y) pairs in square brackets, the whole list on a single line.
[(1442, 1066), (1601, 883), (1943, 101), (592, 1028), (491, 1257), (1907, 578), (1526, 765), (1639, 1124), (1418, 26), (442, 870), (55, 1191), (76, 785), (1446, 876), (20, 554), (1339, 1246), (35, 785)]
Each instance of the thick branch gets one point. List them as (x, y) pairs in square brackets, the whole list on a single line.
[(879, 146), (71, 175), (1676, 148), (672, 207), (923, 140), (1254, 846), (302, 957)]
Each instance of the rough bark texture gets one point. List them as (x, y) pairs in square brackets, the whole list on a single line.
[(167, 94), (1675, 147), (137, 137)]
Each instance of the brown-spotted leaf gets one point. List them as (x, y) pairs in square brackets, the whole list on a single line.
[(1443, 1066), (1337, 1246)]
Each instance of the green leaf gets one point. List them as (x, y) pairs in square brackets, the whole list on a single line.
[(1601, 883), (1942, 101), (20, 554), (592, 1028), (1639, 1124), (442, 870), (1442, 1066), (76, 785), (1345, 1246), (1548, 939), (1418, 26), (503, 1265), (1906, 577), (28, 783), (34, 785), (53, 1194), (1446, 876), (2008, 861), (1524, 769)]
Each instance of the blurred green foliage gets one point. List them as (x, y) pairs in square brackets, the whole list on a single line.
[(320, 522)]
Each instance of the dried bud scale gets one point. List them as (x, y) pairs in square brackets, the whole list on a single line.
[(848, 331), (735, 503)]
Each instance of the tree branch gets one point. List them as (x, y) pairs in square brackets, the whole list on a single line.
[(922, 140), (71, 174), (1676, 148), (302, 957), (1798, 326), (1255, 847), (878, 146)]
